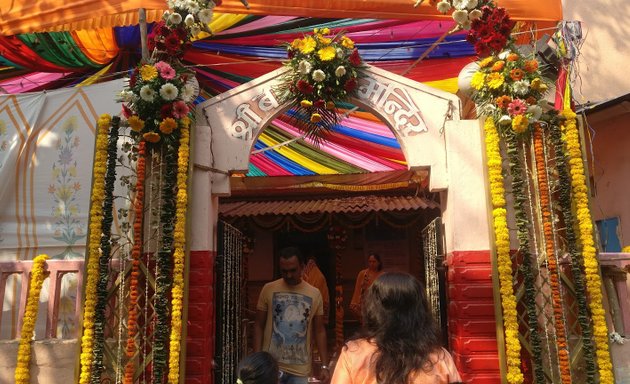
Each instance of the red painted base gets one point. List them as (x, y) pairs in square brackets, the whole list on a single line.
[(201, 327), (472, 327)]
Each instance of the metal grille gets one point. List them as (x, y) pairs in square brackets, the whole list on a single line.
[(229, 272), (431, 243)]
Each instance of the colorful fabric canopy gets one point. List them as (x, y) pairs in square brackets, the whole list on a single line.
[(243, 48)]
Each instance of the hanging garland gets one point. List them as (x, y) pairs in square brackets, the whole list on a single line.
[(522, 224), (552, 261), (179, 255), (502, 244), (577, 262), (104, 259), (591, 265), (95, 230), (164, 278), (136, 252), (38, 275)]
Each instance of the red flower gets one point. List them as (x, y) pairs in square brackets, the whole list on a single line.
[(172, 42), (126, 111), (133, 78), (304, 87), (319, 103), (166, 111), (218, 2), (350, 84), (354, 58)]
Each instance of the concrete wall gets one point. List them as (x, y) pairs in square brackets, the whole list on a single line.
[(604, 54), (52, 361)]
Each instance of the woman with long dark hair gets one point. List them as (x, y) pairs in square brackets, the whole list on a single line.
[(399, 342)]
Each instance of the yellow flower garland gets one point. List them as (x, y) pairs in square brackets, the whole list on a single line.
[(94, 241), (591, 266), (38, 275), (504, 263), (179, 243)]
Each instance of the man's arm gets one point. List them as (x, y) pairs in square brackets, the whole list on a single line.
[(259, 329), (322, 340)]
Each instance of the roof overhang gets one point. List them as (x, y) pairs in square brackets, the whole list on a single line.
[(352, 204)]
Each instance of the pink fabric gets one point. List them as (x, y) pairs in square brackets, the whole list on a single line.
[(264, 22), (31, 81), (268, 166), (353, 367), (368, 126)]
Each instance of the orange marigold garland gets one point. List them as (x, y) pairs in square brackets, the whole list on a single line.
[(589, 252), (552, 262), (179, 256), (132, 313)]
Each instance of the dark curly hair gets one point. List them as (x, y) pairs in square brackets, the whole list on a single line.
[(258, 368), (398, 320)]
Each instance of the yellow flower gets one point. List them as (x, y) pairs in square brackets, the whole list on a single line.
[(136, 123), (327, 53), (485, 62), (168, 125), (148, 72), (325, 31), (324, 40), (520, 123), (494, 80), (316, 118), (478, 80), (346, 42), (308, 45), (306, 103), (297, 44)]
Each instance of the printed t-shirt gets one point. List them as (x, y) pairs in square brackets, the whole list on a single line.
[(287, 334)]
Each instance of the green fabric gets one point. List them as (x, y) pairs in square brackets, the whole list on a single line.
[(58, 48)]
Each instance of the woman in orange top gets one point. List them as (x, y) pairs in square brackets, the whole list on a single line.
[(400, 341), (365, 278)]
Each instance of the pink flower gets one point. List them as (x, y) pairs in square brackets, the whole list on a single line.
[(166, 71), (180, 109), (517, 107)]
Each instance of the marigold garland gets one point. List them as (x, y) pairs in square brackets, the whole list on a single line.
[(552, 262), (577, 263), (591, 265), (104, 259), (502, 244), (93, 251), (179, 243), (136, 252), (38, 275), (520, 194)]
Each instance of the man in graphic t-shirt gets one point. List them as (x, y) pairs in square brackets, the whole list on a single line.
[(289, 311)]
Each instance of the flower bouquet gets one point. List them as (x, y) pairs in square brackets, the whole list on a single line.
[(509, 88), (157, 100), (337, 237), (324, 69)]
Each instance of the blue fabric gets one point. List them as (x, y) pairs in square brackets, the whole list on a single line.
[(452, 46)]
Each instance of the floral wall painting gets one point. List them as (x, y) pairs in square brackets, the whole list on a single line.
[(65, 184)]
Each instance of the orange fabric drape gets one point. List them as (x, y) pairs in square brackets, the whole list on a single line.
[(48, 15)]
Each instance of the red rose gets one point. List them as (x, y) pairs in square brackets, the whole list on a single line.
[(350, 84), (304, 87), (126, 111), (166, 111), (133, 78), (355, 58), (319, 103)]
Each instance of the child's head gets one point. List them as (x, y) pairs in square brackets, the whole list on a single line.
[(258, 368)]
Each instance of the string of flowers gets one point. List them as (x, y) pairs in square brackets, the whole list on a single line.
[(93, 252), (106, 247), (38, 275), (591, 266), (519, 191), (164, 278), (552, 261), (577, 262), (502, 244), (179, 243), (132, 312)]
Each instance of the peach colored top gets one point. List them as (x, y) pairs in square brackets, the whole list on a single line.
[(353, 367)]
